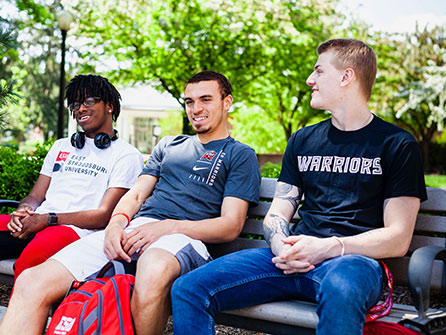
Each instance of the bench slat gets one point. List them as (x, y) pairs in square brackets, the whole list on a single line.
[(420, 241), (267, 188), (436, 200), (253, 226), (220, 249), (260, 210), (431, 223), (285, 312), (399, 268)]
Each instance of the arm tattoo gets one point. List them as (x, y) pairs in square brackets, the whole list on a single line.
[(288, 192), (274, 224)]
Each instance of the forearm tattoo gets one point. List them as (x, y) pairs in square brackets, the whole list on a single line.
[(274, 224), (289, 193)]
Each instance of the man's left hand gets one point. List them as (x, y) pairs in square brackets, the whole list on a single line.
[(303, 253), (143, 236), (32, 224)]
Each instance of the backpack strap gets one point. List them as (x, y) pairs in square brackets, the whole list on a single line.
[(382, 309), (110, 269)]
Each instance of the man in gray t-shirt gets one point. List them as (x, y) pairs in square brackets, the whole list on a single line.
[(193, 190)]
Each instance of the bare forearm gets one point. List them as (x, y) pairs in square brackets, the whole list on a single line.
[(30, 201), (132, 201), (394, 238), (378, 243), (129, 206), (95, 218), (91, 219), (216, 230)]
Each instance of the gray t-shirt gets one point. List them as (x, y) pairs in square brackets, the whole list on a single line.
[(194, 177)]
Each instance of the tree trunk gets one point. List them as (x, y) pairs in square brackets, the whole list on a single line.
[(425, 144)]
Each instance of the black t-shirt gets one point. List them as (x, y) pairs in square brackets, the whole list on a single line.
[(345, 176)]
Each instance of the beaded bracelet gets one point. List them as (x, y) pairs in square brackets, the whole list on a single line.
[(123, 214)]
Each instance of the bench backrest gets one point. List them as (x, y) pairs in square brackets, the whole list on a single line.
[(430, 230)]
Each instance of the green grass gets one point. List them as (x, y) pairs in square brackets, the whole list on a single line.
[(435, 180)]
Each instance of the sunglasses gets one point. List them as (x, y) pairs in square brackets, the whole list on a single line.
[(88, 102)]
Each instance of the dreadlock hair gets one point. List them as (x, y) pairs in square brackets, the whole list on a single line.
[(223, 82), (84, 86)]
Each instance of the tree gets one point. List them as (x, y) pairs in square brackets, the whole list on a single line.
[(165, 42), (415, 84), (424, 104), (265, 48), (7, 92), (36, 68)]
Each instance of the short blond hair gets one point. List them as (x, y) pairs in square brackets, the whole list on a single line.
[(356, 55)]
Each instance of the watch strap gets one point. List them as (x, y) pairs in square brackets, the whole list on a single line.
[(52, 219)]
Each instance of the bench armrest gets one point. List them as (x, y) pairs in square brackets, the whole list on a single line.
[(9, 203), (420, 272)]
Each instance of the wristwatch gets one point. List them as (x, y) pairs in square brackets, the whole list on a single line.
[(52, 219)]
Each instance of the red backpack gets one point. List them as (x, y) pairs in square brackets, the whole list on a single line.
[(373, 327), (96, 306)]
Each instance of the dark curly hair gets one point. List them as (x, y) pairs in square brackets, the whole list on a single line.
[(83, 86)]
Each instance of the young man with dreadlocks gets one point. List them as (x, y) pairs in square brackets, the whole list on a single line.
[(81, 180)]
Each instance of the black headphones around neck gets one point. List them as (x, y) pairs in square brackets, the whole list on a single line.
[(101, 140)]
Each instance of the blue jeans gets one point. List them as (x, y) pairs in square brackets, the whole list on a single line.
[(344, 288)]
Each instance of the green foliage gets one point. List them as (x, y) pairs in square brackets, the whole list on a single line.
[(266, 49), (170, 125), (251, 126), (270, 170), (411, 89), (7, 90), (19, 172), (35, 68), (434, 180)]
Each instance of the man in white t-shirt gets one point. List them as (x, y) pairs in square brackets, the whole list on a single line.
[(81, 180)]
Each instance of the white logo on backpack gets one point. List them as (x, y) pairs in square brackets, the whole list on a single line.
[(65, 325)]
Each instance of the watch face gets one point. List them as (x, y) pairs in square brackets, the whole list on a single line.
[(52, 219)]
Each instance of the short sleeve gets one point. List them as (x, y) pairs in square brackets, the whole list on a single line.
[(244, 178), (405, 176), (153, 165), (50, 159), (126, 170), (290, 169)]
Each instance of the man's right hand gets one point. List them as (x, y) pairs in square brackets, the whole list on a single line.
[(15, 225), (115, 238)]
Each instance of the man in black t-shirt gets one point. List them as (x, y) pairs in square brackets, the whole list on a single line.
[(363, 181)]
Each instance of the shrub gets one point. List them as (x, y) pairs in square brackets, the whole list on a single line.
[(19, 172), (270, 170)]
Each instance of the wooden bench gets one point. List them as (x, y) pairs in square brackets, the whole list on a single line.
[(299, 317)]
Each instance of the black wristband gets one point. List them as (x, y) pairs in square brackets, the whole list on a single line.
[(52, 219)]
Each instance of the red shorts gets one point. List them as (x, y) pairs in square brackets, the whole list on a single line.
[(45, 244)]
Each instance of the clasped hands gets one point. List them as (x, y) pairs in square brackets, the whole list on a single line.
[(120, 244), (300, 253), (24, 222)]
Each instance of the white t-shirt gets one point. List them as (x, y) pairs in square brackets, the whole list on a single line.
[(80, 177)]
